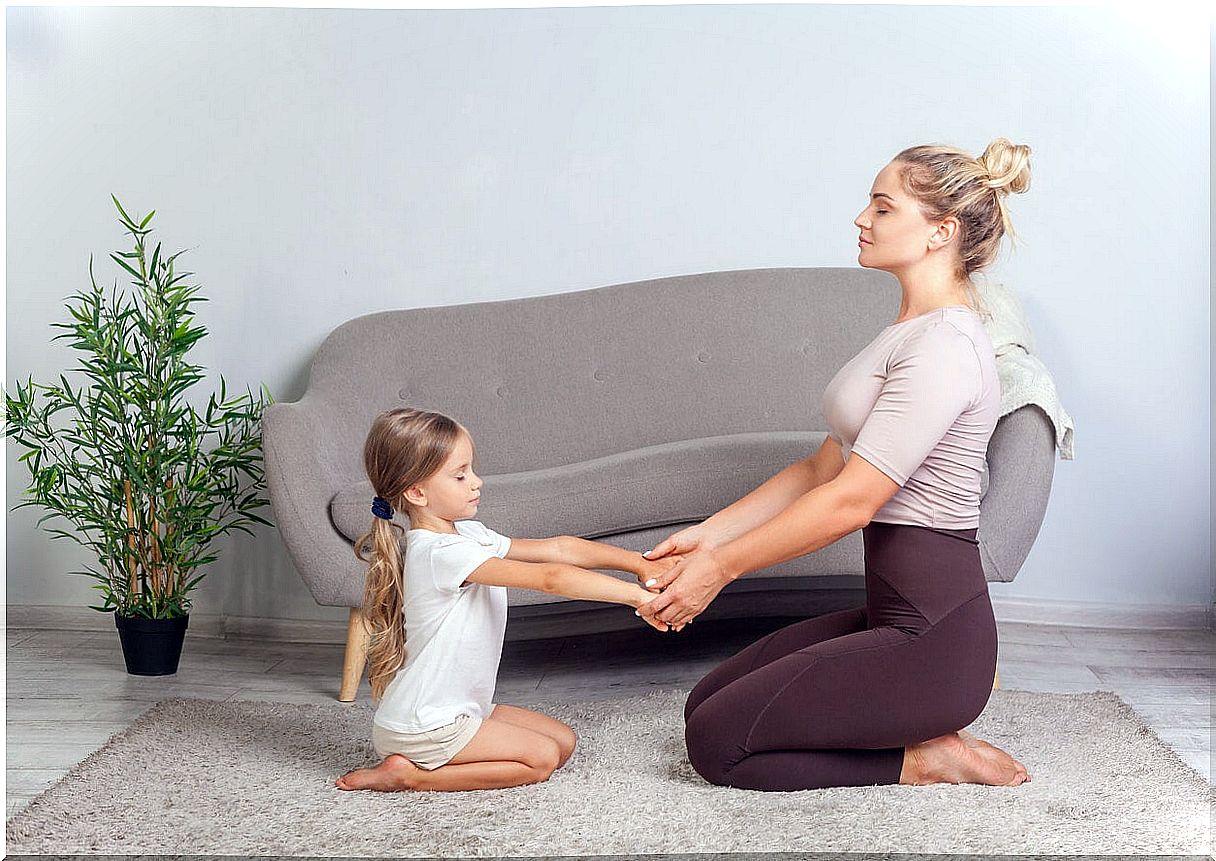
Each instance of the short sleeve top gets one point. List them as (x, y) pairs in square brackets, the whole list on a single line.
[(920, 403), (453, 630)]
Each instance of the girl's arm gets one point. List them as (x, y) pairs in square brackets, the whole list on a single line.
[(560, 578), (572, 550)]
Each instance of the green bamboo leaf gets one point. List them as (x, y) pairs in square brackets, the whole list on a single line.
[(148, 218), (120, 209), (124, 265), (126, 424)]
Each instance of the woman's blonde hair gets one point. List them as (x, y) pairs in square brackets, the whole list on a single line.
[(403, 447), (947, 181)]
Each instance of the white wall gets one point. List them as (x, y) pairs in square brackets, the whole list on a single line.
[(322, 164)]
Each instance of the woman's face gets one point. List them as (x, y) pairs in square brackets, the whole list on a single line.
[(894, 234)]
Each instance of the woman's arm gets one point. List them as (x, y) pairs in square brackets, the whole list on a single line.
[(560, 578), (762, 504), (814, 520)]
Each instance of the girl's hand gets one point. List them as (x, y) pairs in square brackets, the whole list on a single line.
[(643, 597), (696, 581), (653, 573)]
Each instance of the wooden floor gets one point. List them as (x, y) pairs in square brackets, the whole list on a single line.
[(68, 691)]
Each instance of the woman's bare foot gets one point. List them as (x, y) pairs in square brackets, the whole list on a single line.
[(992, 752), (960, 758), (394, 774)]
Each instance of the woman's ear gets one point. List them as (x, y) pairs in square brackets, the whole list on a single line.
[(946, 231)]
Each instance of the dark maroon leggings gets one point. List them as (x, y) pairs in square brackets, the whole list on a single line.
[(833, 701)]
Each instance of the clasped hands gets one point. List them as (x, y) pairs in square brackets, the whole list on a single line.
[(686, 576)]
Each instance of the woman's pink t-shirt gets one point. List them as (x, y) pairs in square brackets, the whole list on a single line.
[(920, 402)]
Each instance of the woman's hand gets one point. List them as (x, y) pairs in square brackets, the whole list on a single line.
[(682, 543), (694, 582), (640, 600), (651, 573)]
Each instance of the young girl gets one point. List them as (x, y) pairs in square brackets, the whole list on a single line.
[(436, 617)]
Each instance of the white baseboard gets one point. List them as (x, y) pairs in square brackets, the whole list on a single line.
[(70, 618), (1008, 610), (1091, 614)]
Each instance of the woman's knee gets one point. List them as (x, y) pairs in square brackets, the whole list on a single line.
[(696, 696), (711, 683), (711, 752)]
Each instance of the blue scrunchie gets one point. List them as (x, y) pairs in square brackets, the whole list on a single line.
[(381, 508)]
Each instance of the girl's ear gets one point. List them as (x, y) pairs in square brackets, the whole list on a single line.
[(415, 496)]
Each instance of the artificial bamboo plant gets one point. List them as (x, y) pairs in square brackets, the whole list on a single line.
[(133, 472)]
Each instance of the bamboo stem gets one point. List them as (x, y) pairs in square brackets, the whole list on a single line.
[(131, 540), (168, 534), (153, 535)]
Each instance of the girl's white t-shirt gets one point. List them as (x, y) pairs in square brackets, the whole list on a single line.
[(453, 632), (920, 402)]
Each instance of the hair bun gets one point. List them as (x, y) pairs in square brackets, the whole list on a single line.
[(1007, 165)]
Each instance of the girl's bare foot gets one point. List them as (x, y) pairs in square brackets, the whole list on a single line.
[(952, 758), (394, 774)]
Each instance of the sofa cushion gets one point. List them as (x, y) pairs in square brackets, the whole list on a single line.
[(658, 485), (661, 485), (634, 499)]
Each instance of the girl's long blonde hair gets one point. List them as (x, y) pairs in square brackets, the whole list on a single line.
[(403, 447), (947, 181)]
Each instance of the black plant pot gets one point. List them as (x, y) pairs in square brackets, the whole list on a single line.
[(151, 647)]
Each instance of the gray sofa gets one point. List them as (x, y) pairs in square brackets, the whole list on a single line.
[(619, 413)]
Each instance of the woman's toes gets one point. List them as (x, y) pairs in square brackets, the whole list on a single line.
[(1006, 771), (960, 757)]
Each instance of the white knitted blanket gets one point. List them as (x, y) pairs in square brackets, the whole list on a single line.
[(1024, 379)]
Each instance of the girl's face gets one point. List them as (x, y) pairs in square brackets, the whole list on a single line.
[(453, 492), (894, 235)]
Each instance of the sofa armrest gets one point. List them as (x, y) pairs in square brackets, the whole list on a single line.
[(301, 479), (1021, 464)]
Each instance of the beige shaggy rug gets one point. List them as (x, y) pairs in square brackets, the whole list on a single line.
[(196, 776)]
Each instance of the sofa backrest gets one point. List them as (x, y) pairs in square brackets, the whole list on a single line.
[(551, 380)]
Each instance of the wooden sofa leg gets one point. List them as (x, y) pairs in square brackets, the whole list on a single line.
[(996, 682), (356, 655)]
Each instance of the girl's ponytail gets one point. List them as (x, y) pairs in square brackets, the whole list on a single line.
[(383, 602), (404, 447)]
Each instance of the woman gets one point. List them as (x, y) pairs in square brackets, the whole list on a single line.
[(876, 694)]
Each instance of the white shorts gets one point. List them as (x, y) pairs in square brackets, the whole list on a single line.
[(429, 749)]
